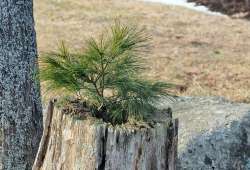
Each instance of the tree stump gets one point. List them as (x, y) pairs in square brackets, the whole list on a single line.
[(89, 144)]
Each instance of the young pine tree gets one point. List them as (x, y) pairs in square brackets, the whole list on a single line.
[(106, 75)]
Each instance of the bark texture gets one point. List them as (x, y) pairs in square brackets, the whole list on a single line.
[(45, 138), (20, 105), (91, 144)]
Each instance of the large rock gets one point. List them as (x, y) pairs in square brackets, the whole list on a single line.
[(213, 134)]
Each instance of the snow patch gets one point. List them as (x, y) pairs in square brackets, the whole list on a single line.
[(186, 4)]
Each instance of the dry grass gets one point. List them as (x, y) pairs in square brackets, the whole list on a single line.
[(208, 54)]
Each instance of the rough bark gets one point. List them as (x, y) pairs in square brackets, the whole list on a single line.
[(45, 138), (91, 144), (20, 105)]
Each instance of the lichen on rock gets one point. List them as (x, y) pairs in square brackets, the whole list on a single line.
[(213, 133)]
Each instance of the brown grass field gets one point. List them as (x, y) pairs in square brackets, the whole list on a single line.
[(210, 55)]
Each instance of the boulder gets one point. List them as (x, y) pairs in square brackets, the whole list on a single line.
[(213, 133)]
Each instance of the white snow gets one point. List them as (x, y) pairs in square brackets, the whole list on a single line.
[(186, 4)]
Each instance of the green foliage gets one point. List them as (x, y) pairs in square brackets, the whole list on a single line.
[(106, 75)]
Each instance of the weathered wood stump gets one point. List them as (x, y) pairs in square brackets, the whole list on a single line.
[(89, 144)]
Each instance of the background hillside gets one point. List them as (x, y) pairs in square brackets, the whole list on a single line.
[(210, 55), (227, 6)]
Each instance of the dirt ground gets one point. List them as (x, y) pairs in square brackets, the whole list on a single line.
[(208, 55)]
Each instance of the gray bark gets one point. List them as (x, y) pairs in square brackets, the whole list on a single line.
[(20, 105), (45, 138), (91, 144)]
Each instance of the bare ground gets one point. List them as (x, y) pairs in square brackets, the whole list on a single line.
[(210, 55)]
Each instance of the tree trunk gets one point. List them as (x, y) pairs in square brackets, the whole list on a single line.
[(91, 144), (20, 105)]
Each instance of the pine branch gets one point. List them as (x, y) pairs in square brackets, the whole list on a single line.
[(113, 62)]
